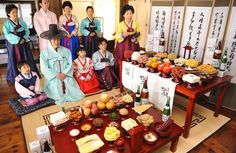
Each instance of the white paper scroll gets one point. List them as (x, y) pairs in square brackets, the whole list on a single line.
[(160, 20), (218, 23), (210, 48), (159, 88), (175, 30), (231, 45), (195, 30)]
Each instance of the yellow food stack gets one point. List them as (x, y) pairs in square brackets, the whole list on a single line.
[(111, 133)]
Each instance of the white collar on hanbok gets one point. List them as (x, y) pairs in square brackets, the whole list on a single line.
[(27, 76), (44, 11)]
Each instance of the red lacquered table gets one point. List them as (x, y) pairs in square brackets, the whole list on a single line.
[(192, 94), (63, 143)]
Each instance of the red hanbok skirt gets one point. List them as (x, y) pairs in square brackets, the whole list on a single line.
[(89, 86)]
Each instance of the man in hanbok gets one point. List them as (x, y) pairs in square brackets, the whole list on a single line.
[(42, 19), (56, 66)]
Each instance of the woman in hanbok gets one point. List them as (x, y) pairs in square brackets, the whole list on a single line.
[(16, 33), (127, 35), (57, 68), (42, 19), (84, 73), (103, 62), (70, 23), (90, 27)]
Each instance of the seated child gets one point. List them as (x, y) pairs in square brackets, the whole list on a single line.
[(27, 85), (103, 62), (84, 73)]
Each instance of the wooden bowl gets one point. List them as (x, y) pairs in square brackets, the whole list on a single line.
[(149, 141)]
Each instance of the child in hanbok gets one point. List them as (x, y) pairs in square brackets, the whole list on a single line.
[(28, 86), (57, 67), (70, 23), (84, 73), (42, 19), (103, 62), (16, 33), (128, 35), (90, 27)]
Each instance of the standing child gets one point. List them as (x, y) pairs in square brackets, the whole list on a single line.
[(69, 23), (90, 27), (42, 19), (103, 62), (16, 33), (84, 73), (28, 86)]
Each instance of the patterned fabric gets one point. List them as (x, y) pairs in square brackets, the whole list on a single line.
[(20, 110), (71, 25)]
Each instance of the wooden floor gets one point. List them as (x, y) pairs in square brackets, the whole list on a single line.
[(12, 139)]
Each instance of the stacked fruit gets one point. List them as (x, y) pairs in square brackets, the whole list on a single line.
[(152, 64), (105, 102)]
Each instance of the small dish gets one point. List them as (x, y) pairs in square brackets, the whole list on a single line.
[(86, 127), (74, 134), (150, 137), (119, 143)]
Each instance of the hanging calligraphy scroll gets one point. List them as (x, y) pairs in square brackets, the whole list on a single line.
[(175, 30), (160, 20), (217, 29), (231, 45), (195, 30)]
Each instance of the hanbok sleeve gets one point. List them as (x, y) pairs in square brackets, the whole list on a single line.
[(47, 72), (37, 84), (37, 23), (111, 59), (75, 31), (25, 27), (69, 66), (54, 18), (61, 21), (82, 28), (119, 33), (13, 39), (98, 25), (21, 90), (90, 64), (97, 64)]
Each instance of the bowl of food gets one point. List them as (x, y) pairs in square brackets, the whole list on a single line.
[(98, 122), (119, 143), (150, 137), (113, 116), (86, 127), (123, 111), (163, 129)]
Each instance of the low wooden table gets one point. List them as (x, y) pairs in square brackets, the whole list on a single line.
[(192, 94), (63, 143)]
